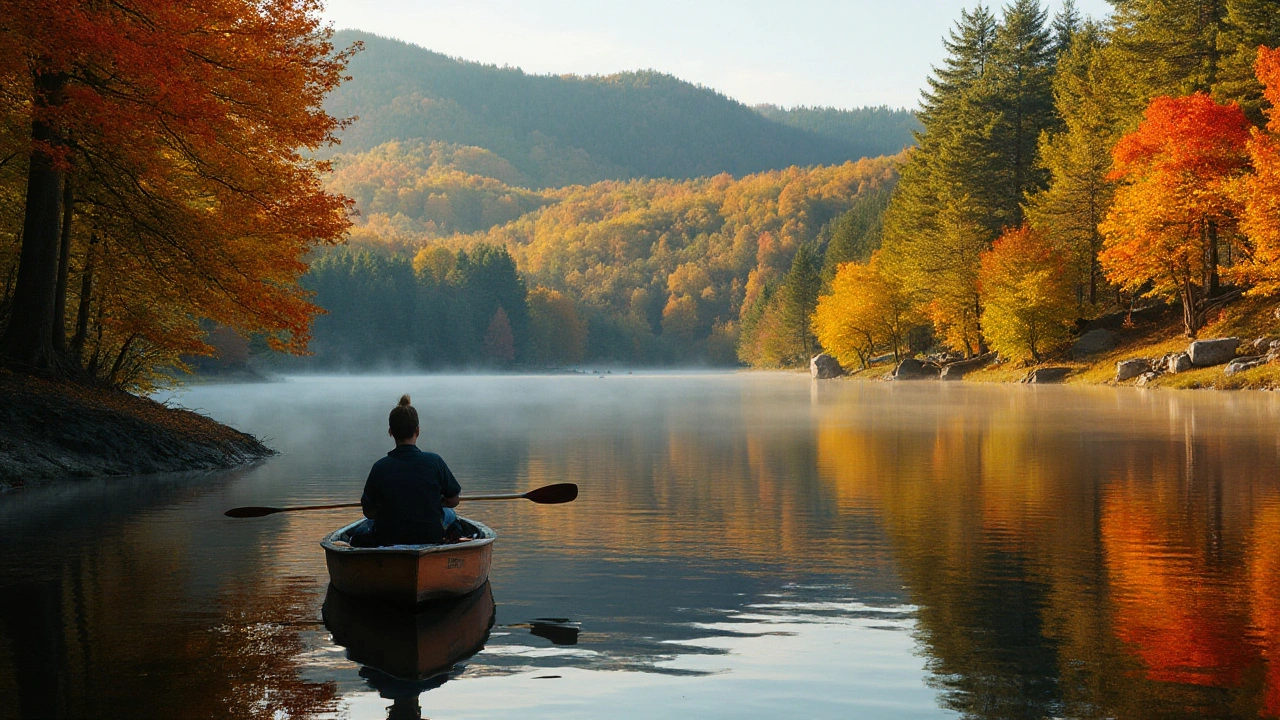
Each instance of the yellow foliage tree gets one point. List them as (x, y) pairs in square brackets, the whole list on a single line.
[(868, 309), (1027, 299), (559, 334), (1260, 220)]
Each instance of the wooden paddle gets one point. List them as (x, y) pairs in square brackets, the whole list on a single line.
[(546, 495)]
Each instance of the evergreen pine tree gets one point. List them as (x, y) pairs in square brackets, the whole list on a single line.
[(1167, 47), (1249, 24), (976, 162), (1066, 23), (1078, 159), (800, 290), (856, 234), (1023, 93)]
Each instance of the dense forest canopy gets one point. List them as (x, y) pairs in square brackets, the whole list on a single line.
[(1068, 167), (640, 271), (562, 130)]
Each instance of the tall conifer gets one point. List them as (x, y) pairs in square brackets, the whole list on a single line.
[(1078, 159), (983, 114)]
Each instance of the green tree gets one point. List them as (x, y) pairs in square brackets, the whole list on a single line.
[(1249, 25), (1022, 73), (856, 234), (1078, 159)]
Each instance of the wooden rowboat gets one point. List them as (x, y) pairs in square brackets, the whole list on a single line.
[(408, 574)]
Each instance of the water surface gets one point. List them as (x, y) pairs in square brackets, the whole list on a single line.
[(745, 545)]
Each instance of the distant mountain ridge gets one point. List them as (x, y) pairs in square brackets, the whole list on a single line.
[(874, 131), (564, 130)]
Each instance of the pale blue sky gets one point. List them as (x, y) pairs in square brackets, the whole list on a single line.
[(799, 52)]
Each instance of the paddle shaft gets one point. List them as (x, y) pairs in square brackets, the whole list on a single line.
[(489, 496), (549, 495)]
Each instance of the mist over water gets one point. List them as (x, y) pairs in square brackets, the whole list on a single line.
[(746, 544)]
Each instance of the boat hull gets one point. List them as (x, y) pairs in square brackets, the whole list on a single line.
[(410, 644), (408, 574)]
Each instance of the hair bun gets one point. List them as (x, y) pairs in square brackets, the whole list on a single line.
[(404, 400)]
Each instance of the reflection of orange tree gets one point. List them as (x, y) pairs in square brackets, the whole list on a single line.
[(1046, 590), (105, 638)]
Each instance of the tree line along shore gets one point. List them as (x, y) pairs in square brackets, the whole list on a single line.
[(167, 195)]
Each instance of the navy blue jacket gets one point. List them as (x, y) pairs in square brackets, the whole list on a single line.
[(403, 495)]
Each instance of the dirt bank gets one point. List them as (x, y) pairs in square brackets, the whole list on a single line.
[(53, 430)]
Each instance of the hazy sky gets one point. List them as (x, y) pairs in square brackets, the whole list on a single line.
[(792, 52)]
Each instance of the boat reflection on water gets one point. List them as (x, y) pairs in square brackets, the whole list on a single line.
[(405, 653)]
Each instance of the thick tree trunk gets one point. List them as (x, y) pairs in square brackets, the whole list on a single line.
[(1211, 259), (1190, 314), (86, 297), (64, 266), (28, 340)]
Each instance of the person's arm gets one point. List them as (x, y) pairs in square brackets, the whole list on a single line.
[(367, 504), (450, 489)]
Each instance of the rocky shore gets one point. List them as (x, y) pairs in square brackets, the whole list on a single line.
[(55, 430), (1239, 349)]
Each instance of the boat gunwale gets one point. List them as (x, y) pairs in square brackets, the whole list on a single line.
[(416, 550)]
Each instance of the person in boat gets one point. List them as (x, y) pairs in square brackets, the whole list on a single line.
[(410, 494)]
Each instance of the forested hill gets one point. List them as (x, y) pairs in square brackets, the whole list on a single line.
[(871, 131), (563, 130)]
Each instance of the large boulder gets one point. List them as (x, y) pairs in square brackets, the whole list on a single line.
[(1244, 363), (825, 367), (913, 369), (1047, 375), (1132, 368), (1146, 378), (1094, 341), (1178, 362), (957, 370), (1217, 351)]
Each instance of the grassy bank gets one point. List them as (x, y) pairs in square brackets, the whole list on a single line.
[(54, 430)]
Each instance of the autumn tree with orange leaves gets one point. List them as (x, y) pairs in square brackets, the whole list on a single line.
[(1260, 220), (160, 152), (1176, 206)]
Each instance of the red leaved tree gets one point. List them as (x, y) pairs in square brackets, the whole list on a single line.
[(1176, 204), (175, 138)]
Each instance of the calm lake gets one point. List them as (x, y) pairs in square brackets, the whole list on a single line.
[(745, 545)]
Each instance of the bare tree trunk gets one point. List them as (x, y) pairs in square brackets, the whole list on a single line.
[(82, 311), (28, 339), (64, 264)]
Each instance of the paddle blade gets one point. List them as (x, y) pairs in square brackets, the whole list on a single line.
[(249, 512), (553, 494)]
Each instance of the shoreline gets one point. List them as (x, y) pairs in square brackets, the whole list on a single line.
[(1152, 335), (57, 430)]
